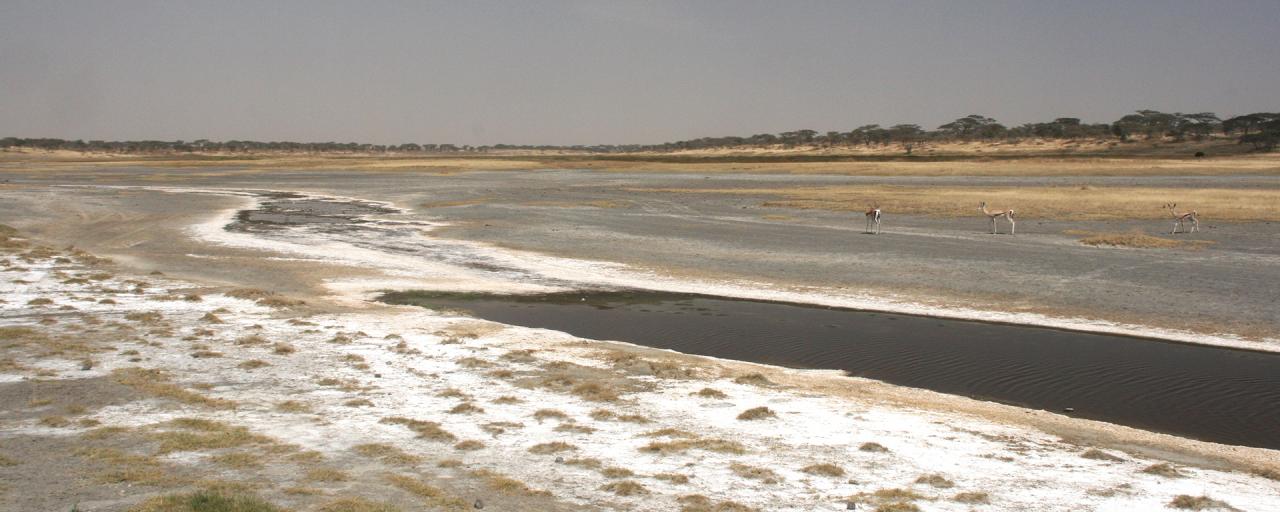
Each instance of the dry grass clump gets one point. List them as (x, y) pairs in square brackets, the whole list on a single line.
[(670, 432), (710, 393), (507, 485), (1268, 473), (387, 453), (935, 480), (282, 348), (39, 302), (293, 406), (519, 356), (425, 429), (1164, 469), (496, 428), (607, 415), (873, 447), (358, 402), (474, 362), (824, 469), (196, 434), (507, 400), (253, 364), (323, 474), (972, 497), (1137, 240), (129, 468), (432, 496), (625, 488), (251, 340), (465, 408), (156, 383), (617, 472), (890, 500), (356, 504), (1186, 502), (469, 445), (684, 445), (55, 421), (552, 447), (757, 413), (700, 503), (453, 393), (205, 501), (237, 460), (205, 354), (755, 473), (574, 428), (634, 364), (675, 478), (548, 414), (595, 392), (753, 379), (1096, 454), (469, 329), (145, 318), (449, 463)]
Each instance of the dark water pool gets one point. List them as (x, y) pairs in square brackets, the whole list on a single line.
[(1212, 394)]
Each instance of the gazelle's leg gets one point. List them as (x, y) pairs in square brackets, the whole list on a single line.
[(1175, 228), (1013, 227), (1195, 224)]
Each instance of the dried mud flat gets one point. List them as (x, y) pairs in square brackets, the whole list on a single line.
[(120, 386)]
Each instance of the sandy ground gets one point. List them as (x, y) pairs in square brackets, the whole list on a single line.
[(1021, 460)]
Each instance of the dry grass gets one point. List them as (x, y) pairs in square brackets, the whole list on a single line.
[(873, 447), (507, 400), (972, 497), (431, 495), (1064, 202), (1136, 240), (765, 475), (466, 408), (323, 474), (293, 406), (824, 469), (675, 478), (157, 383), (670, 432), (552, 447), (935, 480), (710, 393), (684, 445), (595, 392), (1164, 469), (387, 453), (757, 413), (1186, 502), (753, 379), (617, 472), (1096, 454), (507, 485), (129, 468), (237, 460), (205, 501), (700, 503), (283, 349), (356, 504), (574, 428), (358, 402), (469, 330), (196, 434), (469, 445), (425, 429), (890, 500), (253, 364), (549, 414), (625, 488)]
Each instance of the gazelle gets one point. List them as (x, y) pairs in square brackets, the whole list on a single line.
[(1007, 214), (873, 220), (1180, 219)]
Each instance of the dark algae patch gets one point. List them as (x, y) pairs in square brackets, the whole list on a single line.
[(1208, 393)]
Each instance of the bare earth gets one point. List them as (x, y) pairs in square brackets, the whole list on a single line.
[(341, 399)]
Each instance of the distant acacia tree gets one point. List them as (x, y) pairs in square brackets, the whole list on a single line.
[(973, 126)]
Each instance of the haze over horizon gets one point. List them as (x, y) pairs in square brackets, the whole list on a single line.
[(612, 72)]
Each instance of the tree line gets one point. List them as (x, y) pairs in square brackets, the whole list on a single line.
[(1260, 130)]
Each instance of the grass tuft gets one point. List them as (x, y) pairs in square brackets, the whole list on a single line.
[(1096, 454), (625, 488), (1164, 469), (1186, 502), (425, 429), (753, 379), (710, 393), (824, 469), (757, 413), (206, 501), (552, 447), (972, 497), (935, 480), (765, 475)]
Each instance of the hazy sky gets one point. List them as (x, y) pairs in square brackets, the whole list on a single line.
[(526, 72)]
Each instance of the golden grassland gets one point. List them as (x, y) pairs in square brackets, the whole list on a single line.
[(1136, 240), (1077, 202)]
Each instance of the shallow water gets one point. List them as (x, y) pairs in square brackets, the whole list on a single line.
[(1212, 394)]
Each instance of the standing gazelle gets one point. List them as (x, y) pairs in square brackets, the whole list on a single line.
[(873, 220), (1007, 214), (1180, 219)]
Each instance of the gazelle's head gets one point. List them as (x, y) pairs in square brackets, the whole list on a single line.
[(982, 206)]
